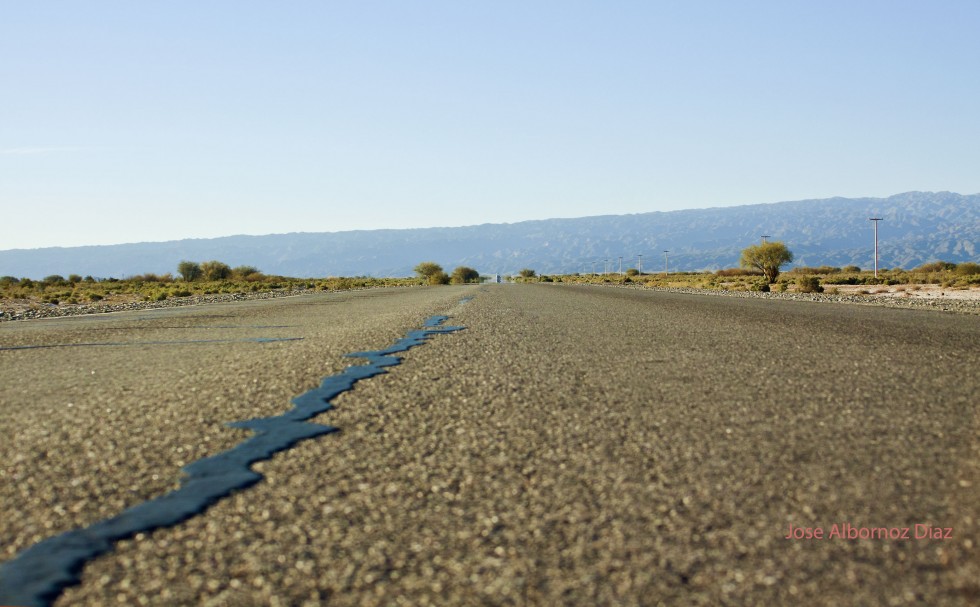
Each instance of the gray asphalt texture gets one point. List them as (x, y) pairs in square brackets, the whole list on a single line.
[(574, 445)]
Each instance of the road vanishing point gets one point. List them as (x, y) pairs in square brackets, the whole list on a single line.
[(553, 445)]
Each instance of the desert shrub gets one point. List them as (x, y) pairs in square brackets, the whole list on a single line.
[(463, 274), (182, 293), (189, 270), (250, 273), (215, 270), (8, 281), (632, 272), (808, 284), (845, 280), (968, 268), (95, 297), (527, 273), (816, 270), (937, 266), (54, 279), (738, 272), (439, 278), (762, 286), (74, 278), (428, 269), (783, 287), (851, 269)]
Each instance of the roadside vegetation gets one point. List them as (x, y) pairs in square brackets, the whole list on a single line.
[(799, 279), (192, 279), (196, 279)]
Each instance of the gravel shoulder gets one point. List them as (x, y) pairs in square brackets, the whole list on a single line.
[(918, 297), (573, 446)]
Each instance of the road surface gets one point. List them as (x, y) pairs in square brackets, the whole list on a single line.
[(573, 445)]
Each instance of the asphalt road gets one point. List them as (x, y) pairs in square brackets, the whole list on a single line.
[(573, 445)]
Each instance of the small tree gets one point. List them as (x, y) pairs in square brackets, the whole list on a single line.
[(215, 270), (462, 275), (189, 270), (767, 257), (527, 273), (427, 269)]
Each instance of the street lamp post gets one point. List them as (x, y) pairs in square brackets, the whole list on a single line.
[(764, 237), (620, 264), (639, 264), (665, 263), (876, 220)]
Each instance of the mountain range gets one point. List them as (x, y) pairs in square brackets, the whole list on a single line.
[(916, 227)]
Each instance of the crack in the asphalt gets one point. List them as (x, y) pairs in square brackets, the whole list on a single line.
[(39, 574)]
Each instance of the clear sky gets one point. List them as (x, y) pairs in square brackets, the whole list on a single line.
[(126, 121)]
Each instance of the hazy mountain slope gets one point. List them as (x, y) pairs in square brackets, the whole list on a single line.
[(917, 227)]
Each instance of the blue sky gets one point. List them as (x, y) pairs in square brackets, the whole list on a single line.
[(135, 121)]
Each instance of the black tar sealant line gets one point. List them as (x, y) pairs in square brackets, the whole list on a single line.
[(38, 575)]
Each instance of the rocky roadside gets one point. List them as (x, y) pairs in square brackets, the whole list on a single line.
[(9, 311), (938, 303)]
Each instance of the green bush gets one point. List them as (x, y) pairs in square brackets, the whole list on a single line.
[(463, 275), (189, 270), (215, 270), (936, 266), (428, 269), (967, 268), (439, 278), (726, 272), (816, 270), (808, 284)]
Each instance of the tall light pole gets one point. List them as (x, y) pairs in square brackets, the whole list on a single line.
[(764, 237), (620, 264), (876, 220), (665, 263), (639, 264), (593, 268)]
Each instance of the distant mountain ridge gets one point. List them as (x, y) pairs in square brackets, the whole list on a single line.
[(917, 227)]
